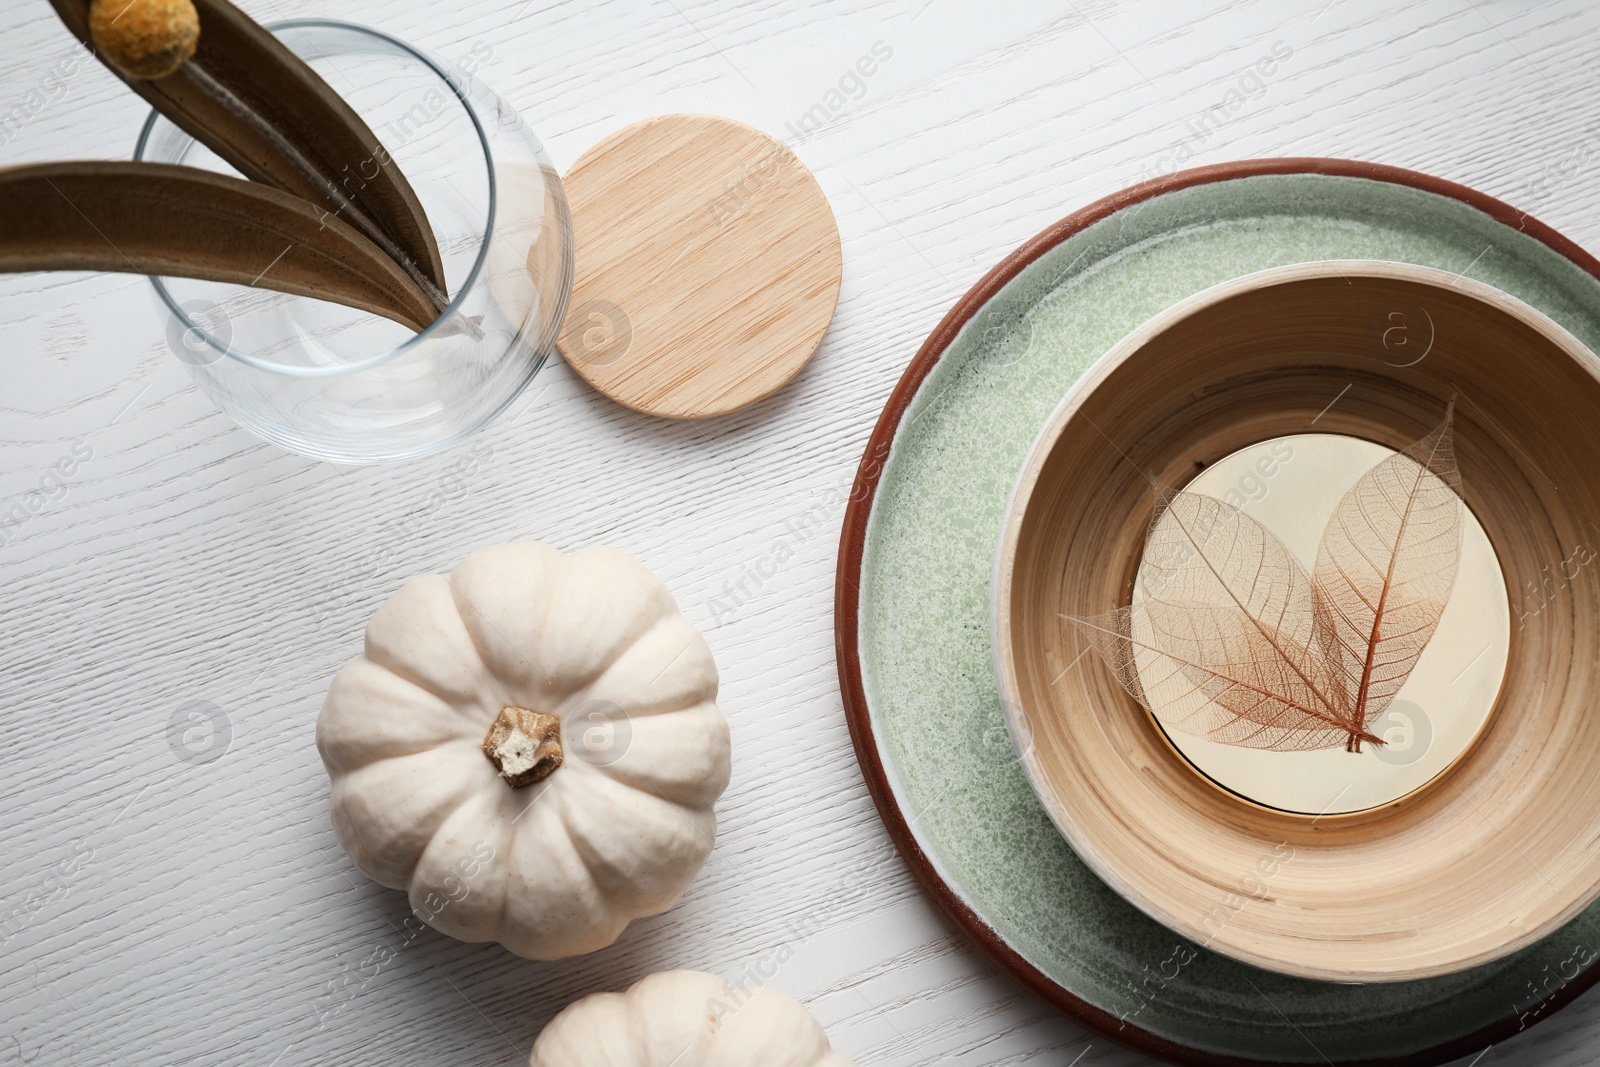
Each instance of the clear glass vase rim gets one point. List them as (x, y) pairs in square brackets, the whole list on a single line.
[(451, 309)]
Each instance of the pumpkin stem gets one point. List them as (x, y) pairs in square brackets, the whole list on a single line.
[(523, 745)]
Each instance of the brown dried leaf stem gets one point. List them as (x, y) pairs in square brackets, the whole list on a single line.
[(271, 117), (156, 218)]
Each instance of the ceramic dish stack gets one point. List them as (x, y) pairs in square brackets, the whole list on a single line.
[(1134, 348)]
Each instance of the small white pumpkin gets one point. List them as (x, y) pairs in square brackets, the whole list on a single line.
[(685, 1019), (529, 747)]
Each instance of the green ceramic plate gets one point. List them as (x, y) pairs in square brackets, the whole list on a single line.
[(913, 608)]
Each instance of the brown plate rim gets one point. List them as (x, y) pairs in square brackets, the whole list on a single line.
[(852, 547)]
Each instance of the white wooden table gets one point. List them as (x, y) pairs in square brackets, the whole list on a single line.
[(165, 910)]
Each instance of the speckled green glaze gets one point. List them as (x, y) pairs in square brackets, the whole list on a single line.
[(925, 647)]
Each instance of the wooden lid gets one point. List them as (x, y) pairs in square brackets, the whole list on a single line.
[(708, 266)]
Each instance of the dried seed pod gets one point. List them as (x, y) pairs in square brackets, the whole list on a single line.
[(275, 120), (145, 38), (157, 218)]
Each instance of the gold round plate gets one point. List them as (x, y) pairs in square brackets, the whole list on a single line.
[(1497, 851)]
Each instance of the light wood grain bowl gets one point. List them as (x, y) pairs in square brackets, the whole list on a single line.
[(1497, 852)]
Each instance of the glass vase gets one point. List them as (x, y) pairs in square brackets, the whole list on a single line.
[(344, 385)]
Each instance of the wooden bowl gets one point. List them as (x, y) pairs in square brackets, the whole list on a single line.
[(1500, 849)]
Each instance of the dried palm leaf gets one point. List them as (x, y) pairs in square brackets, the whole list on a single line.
[(271, 117), (155, 218)]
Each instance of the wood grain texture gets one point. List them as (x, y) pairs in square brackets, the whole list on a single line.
[(185, 561), (1496, 852), (708, 266)]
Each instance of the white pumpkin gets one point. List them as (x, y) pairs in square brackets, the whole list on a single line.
[(529, 747), (685, 1019)]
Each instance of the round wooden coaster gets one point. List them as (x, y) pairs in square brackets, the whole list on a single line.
[(708, 266)]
